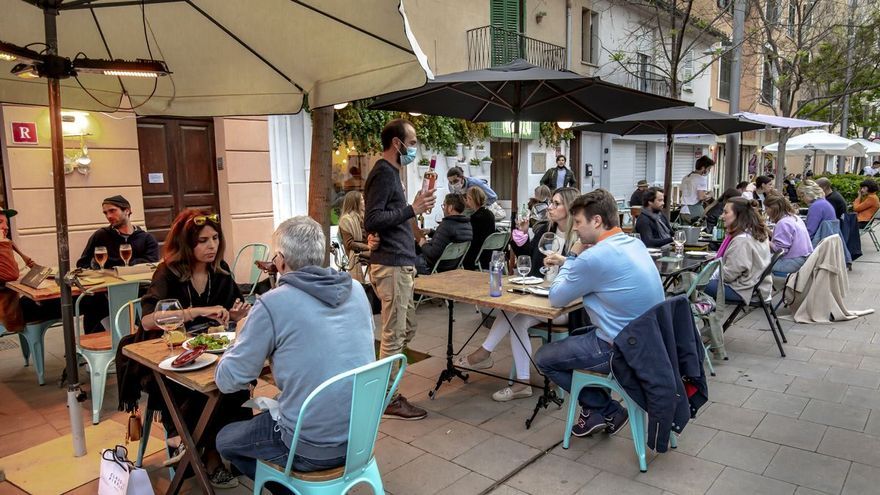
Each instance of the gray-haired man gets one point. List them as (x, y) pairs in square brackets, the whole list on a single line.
[(316, 324)]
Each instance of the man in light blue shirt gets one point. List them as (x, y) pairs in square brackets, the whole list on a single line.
[(458, 183), (618, 281)]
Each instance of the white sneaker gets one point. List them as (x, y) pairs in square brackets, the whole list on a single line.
[(507, 394), (485, 364)]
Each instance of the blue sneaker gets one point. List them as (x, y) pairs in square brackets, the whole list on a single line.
[(617, 421), (587, 424)]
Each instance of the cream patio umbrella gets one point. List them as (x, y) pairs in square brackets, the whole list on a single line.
[(819, 142), (196, 58)]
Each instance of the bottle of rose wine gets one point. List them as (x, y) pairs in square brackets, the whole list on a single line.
[(430, 177)]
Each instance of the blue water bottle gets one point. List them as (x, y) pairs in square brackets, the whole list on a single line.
[(496, 273)]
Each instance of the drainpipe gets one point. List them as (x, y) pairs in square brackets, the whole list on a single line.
[(567, 34)]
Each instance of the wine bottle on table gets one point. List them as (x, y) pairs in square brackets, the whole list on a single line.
[(430, 177)]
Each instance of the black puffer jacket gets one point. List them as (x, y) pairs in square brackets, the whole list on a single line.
[(454, 228)]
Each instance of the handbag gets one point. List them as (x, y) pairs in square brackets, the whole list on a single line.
[(120, 477)]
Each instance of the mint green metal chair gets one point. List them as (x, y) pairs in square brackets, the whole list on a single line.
[(370, 395), (494, 242), (713, 328), (259, 252), (637, 416), (454, 251), (99, 349), (31, 339)]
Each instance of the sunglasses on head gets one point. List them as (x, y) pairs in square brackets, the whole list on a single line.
[(201, 219)]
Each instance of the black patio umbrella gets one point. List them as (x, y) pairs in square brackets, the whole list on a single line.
[(520, 91), (671, 121)]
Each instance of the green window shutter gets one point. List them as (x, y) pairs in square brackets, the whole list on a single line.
[(504, 14)]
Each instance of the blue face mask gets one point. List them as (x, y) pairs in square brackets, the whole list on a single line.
[(409, 156)]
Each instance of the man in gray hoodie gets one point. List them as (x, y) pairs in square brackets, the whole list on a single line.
[(315, 325)]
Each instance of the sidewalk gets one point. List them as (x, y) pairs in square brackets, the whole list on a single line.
[(805, 424)]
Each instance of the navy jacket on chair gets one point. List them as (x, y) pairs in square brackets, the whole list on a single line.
[(653, 358)]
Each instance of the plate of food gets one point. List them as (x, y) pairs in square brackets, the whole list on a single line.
[(526, 280), (214, 343), (190, 360), (701, 254), (540, 291)]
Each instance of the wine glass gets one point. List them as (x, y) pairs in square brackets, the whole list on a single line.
[(549, 243), (100, 256), (679, 240), (523, 267), (169, 316), (125, 253)]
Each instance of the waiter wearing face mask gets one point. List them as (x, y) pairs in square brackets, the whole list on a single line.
[(393, 255), (458, 183)]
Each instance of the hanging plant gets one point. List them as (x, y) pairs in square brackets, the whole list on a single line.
[(552, 135)]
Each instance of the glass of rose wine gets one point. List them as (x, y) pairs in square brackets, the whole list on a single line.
[(169, 317), (101, 256), (125, 253)]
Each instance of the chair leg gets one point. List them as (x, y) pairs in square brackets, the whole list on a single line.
[(778, 325), (732, 317), (709, 361), (33, 333), (98, 365), (773, 328), (511, 375), (145, 437), (639, 433), (25, 349), (576, 386)]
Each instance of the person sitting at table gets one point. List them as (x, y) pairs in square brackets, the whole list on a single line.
[(351, 229), (866, 204), (144, 249), (538, 205), (195, 274), (652, 225), (789, 235), (518, 328), (835, 198), (819, 209), (638, 196), (717, 208), (455, 227), (16, 311), (617, 281), (313, 308), (763, 187), (791, 191), (482, 226), (745, 252)]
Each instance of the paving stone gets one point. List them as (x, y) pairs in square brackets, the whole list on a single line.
[(681, 474), (470, 484), (391, 453), (859, 378), (851, 445), (862, 479), (832, 414), (792, 353), (809, 469), (735, 482), (792, 432), (839, 359), (496, 457), (615, 454), (822, 343), (512, 422), (741, 452), (694, 438), (873, 426), (802, 490), (871, 363), (776, 403), (552, 475), (851, 335), (807, 370), (450, 441), (607, 482), (407, 431), (813, 389), (506, 490), (872, 350), (766, 380), (728, 393), (479, 410), (727, 418), (425, 474)]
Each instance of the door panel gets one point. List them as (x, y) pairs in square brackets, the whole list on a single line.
[(502, 165), (183, 152)]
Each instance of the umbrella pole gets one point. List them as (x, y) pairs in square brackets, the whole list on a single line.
[(515, 179), (73, 390), (667, 173)]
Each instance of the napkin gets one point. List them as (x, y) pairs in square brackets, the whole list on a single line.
[(265, 404)]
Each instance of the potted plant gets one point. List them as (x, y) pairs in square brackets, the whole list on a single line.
[(481, 151), (424, 163), (475, 162), (487, 160), (452, 159), (539, 16)]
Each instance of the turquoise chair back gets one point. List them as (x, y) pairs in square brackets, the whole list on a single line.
[(454, 251), (119, 296), (495, 242), (370, 395), (259, 252), (704, 277), (125, 317)]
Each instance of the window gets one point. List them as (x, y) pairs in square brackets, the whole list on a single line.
[(504, 16), (772, 12), (767, 90), (589, 36), (792, 17), (724, 63), (687, 72), (644, 72)]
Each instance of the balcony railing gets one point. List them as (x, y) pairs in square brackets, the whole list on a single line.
[(647, 81), (490, 46)]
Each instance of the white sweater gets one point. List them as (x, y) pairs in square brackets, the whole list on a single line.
[(743, 262)]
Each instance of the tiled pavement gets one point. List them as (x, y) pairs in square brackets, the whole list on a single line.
[(805, 424)]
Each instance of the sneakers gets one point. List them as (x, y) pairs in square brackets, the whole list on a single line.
[(508, 394), (176, 455), (485, 364), (616, 422), (587, 425), (400, 408), (223, 479)]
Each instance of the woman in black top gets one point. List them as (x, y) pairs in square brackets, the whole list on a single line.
[(194, 273), (482, 225)]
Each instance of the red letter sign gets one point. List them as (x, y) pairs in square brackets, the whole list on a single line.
[(24, 133)]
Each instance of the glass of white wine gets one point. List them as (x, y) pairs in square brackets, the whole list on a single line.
[(169, 317), (679, 240), (523, 267), (549, 243)]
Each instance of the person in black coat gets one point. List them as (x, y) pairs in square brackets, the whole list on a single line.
[(482, 225), (455, 227), (714, 212), (652, 225)]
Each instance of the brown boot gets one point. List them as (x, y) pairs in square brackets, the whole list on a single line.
[(400, 408)]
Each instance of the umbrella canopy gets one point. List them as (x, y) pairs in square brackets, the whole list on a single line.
[(781, 122), (819, 142), (520, 91), (871, 147), (227, 58), (676, 120)]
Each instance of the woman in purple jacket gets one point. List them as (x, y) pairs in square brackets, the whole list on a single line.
[(790, 235), (819, 207)]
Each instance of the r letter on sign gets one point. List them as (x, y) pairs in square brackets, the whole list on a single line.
[(24, 133)]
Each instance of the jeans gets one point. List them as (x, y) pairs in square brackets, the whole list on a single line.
[(730, 295), (245, 442), (788, 265), (586, 351)]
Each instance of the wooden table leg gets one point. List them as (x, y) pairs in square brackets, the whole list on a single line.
[(191, 441)]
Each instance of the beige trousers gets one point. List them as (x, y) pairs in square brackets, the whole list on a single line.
[(394, 286)]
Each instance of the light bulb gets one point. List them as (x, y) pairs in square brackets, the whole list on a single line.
[(340, 106), (564, 125)]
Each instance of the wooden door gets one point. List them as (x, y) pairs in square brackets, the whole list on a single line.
[(502, 166), (177, 169)]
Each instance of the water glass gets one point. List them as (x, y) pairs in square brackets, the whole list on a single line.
[(679, 240), (523, 267)]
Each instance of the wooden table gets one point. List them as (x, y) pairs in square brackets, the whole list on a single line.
[(49, 289), (472, 287), (149, 354)]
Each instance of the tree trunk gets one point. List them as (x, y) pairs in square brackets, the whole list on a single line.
[(780, 158), (321, 168)]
